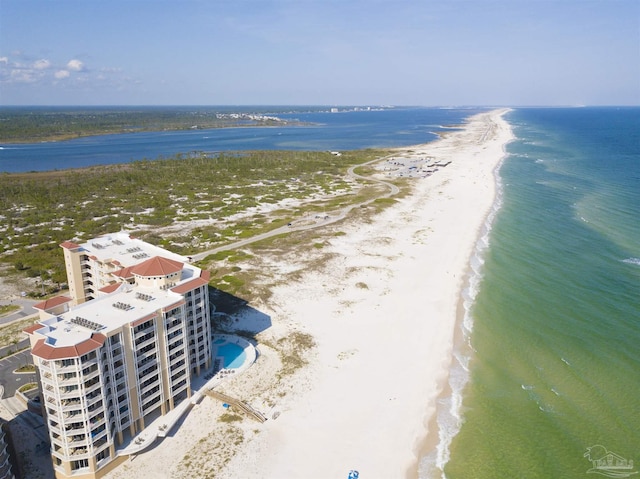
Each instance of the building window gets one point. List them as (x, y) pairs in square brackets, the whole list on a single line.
[(81, 464)]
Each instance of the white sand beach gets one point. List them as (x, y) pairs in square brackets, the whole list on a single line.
[(382, 311)]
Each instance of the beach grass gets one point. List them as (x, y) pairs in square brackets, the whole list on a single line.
[(186, 204)]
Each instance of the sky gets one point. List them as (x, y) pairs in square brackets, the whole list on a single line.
[(320, 52)]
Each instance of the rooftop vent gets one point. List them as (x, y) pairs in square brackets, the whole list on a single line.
[(86, 323), (144, 297), (122, 306)]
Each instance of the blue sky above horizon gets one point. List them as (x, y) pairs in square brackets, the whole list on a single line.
[(320, 52)]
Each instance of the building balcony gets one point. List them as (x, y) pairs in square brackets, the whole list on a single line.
[(173, 329), (177, 368), (97, 408), (97, 422), (76, 441), (141, 332), (146, 360), (75, 427), (149, 387), (71, 404), (147, 342), (91, 387), (178, 338), (66, 368), (88, 373), (69, 392), (68, 416), (150, 402), (179, 388), (93, 398), (176, 361), (98, 434), (90, 362), (61, 454), (79, 452), (63, 380), (55, 429)]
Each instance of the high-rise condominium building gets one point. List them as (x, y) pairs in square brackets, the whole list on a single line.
[(121, 352)]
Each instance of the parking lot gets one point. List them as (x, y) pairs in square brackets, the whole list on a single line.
[(10, 381)]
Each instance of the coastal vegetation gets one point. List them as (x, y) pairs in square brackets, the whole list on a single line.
[(12, 333), (188, 203), (30, 125), (8, 308)]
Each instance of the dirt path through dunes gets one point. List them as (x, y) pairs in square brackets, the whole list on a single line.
[(317, 222)]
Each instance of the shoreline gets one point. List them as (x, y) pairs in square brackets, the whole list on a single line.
[(380, 299), (429, 451)]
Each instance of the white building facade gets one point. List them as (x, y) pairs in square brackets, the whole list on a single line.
[(123, 354)]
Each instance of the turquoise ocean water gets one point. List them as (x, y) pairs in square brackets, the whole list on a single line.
[(548, 364)]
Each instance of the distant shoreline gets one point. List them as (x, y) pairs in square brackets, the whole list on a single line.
[(71, 137)]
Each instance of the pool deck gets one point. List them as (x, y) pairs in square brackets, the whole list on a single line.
[(160, 427)]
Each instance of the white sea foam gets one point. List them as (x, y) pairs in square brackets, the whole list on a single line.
[(635, 261), (449, 409)]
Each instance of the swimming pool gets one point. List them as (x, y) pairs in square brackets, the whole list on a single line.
[(234, 355)]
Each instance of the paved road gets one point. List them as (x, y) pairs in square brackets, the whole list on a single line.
[(304, 224), (10, 381)]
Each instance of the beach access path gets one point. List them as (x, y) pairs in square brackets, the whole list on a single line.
[(297, 224)]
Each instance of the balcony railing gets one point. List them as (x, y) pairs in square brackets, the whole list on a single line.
[(93, 398), (145, 343), (149, 387)]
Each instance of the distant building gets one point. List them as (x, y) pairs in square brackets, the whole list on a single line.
[(121, 352)]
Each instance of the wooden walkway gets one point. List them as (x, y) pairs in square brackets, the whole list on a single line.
[(237, 404)]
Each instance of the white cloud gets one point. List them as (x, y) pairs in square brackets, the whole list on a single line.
[(37, 74), (41, 64), (75, 65)]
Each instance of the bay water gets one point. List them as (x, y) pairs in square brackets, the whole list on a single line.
[(348, 128)]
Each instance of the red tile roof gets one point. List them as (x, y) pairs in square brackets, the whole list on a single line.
[(47, 351), (194, 283), (33, 328), (110, 288), (143, 320), (70, 245), (51, 303), (157, 266), (124, 272), (173, 306)]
